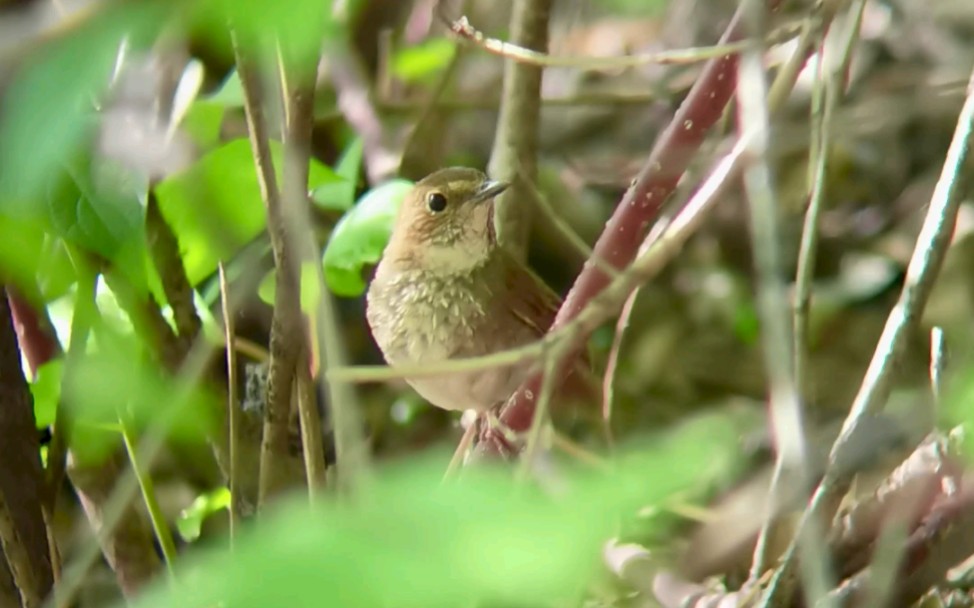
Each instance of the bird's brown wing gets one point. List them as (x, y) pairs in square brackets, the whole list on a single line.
[(533, 303)]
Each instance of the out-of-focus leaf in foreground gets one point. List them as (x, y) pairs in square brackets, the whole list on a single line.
[(119, 379), (361, 235), (411, 540), (50, 105)]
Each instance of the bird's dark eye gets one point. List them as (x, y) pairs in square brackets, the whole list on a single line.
[(436, 202)]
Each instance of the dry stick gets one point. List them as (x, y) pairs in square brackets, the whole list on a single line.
[(311, 443), (786, 415), (514, 157), (782, 86), (462, 28), (33, 328), (233, 410), (164, 247), (352, 453), (286, 334), (23, 537), (928, 255), (640, 206), (620, 98), (824, 98)]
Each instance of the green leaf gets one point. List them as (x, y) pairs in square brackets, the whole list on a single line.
[(48, 110), (482, 540), (190, 520), (46, 390), (21, 246), (215, 207), (420, 62), (340, 195), (309, 288), (230, 94), (98, 210), (361, 235), (203, 123)]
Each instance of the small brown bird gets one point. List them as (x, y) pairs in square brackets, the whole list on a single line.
[(444, 289)]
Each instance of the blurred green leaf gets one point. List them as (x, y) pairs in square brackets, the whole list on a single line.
[(340, 195), (230, 94), (104, 216), (21, 247), (361, 235), (302, 26), (49, 107), (203, 123), (46, 390), (215, 207), (191, 518), (309, 288), (482, 540), (118, 376), (420, 62)]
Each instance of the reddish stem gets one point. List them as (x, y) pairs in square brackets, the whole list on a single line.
[(639, 208)]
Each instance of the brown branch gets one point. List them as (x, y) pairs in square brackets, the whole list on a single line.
[(23, 534), (514, 155), (165, 255), (286, 331), (641, 204), (351, 449)]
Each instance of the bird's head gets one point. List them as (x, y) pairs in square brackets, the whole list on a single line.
[(446, 222)]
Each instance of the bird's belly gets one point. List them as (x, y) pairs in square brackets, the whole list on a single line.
[(426, 331)]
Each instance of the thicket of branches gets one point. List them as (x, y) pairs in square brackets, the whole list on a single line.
[(757, 211)]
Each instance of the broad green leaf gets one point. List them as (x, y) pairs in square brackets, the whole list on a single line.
[(340, 195), (424, 60), (361, 235), (103, 218), (482, 540), (302, 26), (215, 207), (49, 108), (190, 520), (46, 390), (202, 123)]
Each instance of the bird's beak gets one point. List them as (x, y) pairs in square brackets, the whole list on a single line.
[(488, 190)]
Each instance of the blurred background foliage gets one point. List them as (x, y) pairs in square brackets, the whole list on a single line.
[(110, 108)]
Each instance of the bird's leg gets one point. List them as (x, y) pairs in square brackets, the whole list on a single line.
[(492, 429)]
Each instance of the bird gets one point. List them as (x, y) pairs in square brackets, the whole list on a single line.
[(444, 288)]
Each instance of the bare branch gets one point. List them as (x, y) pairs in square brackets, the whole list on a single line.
[(514, 155)]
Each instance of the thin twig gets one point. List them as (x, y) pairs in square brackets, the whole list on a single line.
[(286, 322), (233, 410), (462, 28), (159, 524), (351, 450), (515, 151), (314, 451), (785, 411)]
